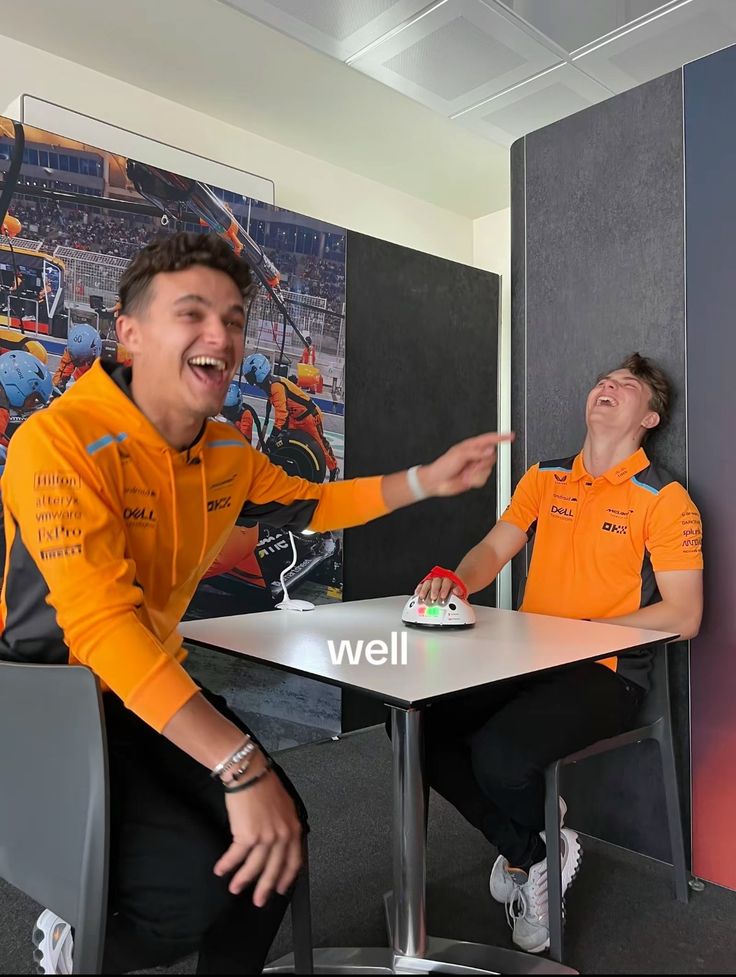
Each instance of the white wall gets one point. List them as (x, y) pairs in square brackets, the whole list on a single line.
[(303, 183), (492, 251)]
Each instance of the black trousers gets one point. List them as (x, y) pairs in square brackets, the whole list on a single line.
[(169, 826), (486, 751)]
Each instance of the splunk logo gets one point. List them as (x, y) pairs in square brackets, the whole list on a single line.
[(374, 652)]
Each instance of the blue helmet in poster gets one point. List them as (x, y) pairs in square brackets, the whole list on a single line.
[(233, 395), (25, 380), (256, 368), (3, 458), (83, 342)]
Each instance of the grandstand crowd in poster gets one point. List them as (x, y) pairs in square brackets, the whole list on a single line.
[(72, 218)]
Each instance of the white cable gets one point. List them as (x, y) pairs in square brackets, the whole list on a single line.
[(290, 567)]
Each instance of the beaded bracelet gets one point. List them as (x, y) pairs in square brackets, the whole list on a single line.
[(252, 781), (235, 775), (244, 750)]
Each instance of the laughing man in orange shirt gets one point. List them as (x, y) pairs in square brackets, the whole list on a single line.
[(616, 538)]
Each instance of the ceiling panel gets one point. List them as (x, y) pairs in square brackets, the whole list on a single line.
[(456, 55), (339, 28), (539, 102), (505, 67), (575, 23), (690, 31)]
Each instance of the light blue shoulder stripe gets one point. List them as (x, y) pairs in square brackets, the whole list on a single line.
[(104, 441), (225, 444), (649, 488)]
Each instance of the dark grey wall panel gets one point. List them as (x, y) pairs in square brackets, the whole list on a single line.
[(710, 139), (604, 249), (518, 309), (421, 362), (518, 337), (604, 243)]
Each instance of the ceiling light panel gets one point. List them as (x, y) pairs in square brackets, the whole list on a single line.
[(536, 103), (458, 54), (339, 28), (575, 23), (689, 31)]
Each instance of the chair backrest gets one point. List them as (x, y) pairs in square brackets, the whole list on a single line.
[(656, 702), (54, 789)]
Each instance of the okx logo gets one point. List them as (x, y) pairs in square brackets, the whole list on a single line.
[(612, 527)]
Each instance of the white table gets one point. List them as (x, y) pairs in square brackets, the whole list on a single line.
[(502, 645)]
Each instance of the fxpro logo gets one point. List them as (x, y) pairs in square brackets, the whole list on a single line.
[(55, 534)]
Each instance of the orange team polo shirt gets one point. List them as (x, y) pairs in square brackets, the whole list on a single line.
[(599, 541)]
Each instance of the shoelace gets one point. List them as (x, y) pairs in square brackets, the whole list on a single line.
[(510, 907), (529, 900), (533, 898)]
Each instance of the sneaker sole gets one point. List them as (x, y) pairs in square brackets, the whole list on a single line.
[(40, 939), (576, 857)]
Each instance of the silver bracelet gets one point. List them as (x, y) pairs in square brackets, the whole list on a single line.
[(235, 775), (244, 750), (415, 485), (253, 780)]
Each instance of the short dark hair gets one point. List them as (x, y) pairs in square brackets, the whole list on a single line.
[(175, 252), (658, 382)]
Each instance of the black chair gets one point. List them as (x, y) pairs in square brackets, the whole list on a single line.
[(54, 813), (54, 818), (654, 722)]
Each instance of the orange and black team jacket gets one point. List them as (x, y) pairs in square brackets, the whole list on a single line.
[(599, 541), (290, 403), (109, 530)]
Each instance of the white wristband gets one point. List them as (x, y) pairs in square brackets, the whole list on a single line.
[(415, 485)]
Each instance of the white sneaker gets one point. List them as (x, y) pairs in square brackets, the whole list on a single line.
[(529, 910), (503, 882), (53, 942)]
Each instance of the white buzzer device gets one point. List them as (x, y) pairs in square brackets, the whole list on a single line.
[(454, 612)]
